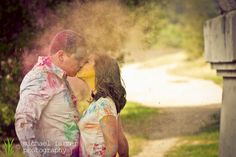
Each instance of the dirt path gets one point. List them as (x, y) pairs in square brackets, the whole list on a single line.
[(157, 148), (177, 122), (155, 86), (185, 102)]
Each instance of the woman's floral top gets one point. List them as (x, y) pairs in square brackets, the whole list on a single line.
[(91, 136)]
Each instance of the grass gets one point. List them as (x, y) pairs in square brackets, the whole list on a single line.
[(203, 144), (138, 121), (16, 152), (8, 147), (198, 68)]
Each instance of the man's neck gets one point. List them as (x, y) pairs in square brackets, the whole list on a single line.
[(56, 63)]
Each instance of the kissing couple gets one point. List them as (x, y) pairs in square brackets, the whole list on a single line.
[(47, 120)]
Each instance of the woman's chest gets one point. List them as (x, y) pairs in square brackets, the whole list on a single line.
[(89, 120)]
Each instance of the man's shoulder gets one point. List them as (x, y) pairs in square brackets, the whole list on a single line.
[(35, 76), (36, 73)]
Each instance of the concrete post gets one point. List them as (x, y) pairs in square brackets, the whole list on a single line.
[(227, 5), (220, 51)]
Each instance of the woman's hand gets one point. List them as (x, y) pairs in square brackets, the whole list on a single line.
[(109, 126)]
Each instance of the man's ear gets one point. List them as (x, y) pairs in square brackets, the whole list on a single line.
[(60, 55)]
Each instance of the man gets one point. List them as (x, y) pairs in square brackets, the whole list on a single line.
[(46, 116)]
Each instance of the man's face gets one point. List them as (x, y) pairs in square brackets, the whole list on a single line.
[(72, 64)]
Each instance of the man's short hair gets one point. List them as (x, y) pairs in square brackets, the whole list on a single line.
[(68, 41)]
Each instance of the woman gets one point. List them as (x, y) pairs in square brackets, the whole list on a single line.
[(101, 133)]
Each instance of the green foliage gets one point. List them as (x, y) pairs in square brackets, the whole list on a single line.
[(15, 21), (170, 36), (7, 115), (175, 24), (135, 3), (8, 147)]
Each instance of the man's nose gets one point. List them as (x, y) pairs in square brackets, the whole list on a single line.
[(79, 68)]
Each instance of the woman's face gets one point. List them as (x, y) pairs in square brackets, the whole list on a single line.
[(87, 73)]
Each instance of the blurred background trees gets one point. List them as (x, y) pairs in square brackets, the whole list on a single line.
[(173, 23), (151, 24), (20, 20)]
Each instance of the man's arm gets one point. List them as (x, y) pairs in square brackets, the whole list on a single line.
[(34, 96), (123, 146), (26, 134)]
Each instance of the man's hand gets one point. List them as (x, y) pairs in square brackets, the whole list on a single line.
[(123, 146)]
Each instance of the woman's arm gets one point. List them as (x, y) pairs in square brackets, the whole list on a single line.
[(109, 126), (123, 146)]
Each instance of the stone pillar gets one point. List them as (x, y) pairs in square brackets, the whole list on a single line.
[(227, 5), (220, 51)]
